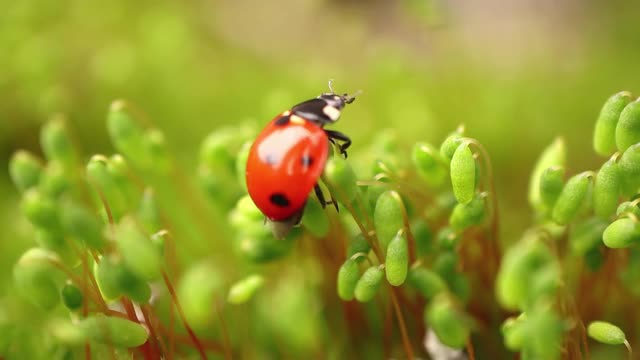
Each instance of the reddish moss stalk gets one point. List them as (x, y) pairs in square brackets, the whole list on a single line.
[(186, 325)]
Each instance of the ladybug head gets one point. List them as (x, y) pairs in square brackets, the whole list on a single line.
[(338, 101)]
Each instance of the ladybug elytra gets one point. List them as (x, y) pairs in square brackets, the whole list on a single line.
[(289, 155)]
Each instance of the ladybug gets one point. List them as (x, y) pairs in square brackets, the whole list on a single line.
[(289, 155)]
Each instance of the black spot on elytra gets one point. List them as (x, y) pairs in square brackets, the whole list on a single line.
[(279, 199), (283, 120), (306, 161)]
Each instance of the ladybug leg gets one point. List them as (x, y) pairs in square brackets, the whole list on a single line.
[(320, 196), (322, 199), (338, 136)]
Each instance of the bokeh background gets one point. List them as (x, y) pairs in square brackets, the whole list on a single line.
[(516, 73)]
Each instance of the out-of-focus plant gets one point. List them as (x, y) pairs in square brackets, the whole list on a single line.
[(412, 257)]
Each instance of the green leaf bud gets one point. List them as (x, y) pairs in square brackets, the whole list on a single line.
[(56, 143), (447, 238), (451, 143), (130, 284), (423, 237), (243, 290), (427, 282), (106, 274), (138, 252), (149, 211), (71, 296), (543, 333), (460, 286), (341, 179), (466, 215), (621, 233), (41, 211), (586, 236), (99, 176), (606, 189), (571, 199), (56, 243), (118, 169), (513, 332), (254, 240), (606, 333), (397, 260), (157, 149), (518, 268), (54, 180), (554, 155), (348, 277), (445, 264), (315, 219), (450, 325), (113, 331), (604, 137), (368, 285), (65, 332), (628, 128), (197, 291), (159, 240), (628, 207), (35, 278), (82, 225), (358, 244), (463, 174), (25, 170), (429, 164), (388, 217), (629, 168), (551, 184), (127, 136)]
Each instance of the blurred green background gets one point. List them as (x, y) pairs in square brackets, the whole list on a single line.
[(516, 73)]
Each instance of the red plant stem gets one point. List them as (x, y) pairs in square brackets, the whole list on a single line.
[(145, 349), (156, 343), (403, 329), (186, 325), (470, 350), (172, 332)]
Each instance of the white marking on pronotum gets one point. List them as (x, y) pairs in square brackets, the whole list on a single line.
[(286, 113), (295, 119), (332, 112)]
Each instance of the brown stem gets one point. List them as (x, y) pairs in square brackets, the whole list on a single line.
[(470, 350), (145, 349), (186, 325), (403, 329), (156, 342)]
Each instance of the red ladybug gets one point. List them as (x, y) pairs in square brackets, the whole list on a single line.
[(289, 155)]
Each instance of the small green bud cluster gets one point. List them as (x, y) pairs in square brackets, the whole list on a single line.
[(101, 237), (587, 210), (404, 241)]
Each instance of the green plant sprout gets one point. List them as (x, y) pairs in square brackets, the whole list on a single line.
[(119, 269)]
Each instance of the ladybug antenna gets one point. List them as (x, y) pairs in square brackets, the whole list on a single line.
[(331, 86), (348, 99)]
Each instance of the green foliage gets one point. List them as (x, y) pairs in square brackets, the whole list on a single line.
[(463, 174), (607, 333), (397, 260), (115, 238), (604, 136), (369, 284)]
